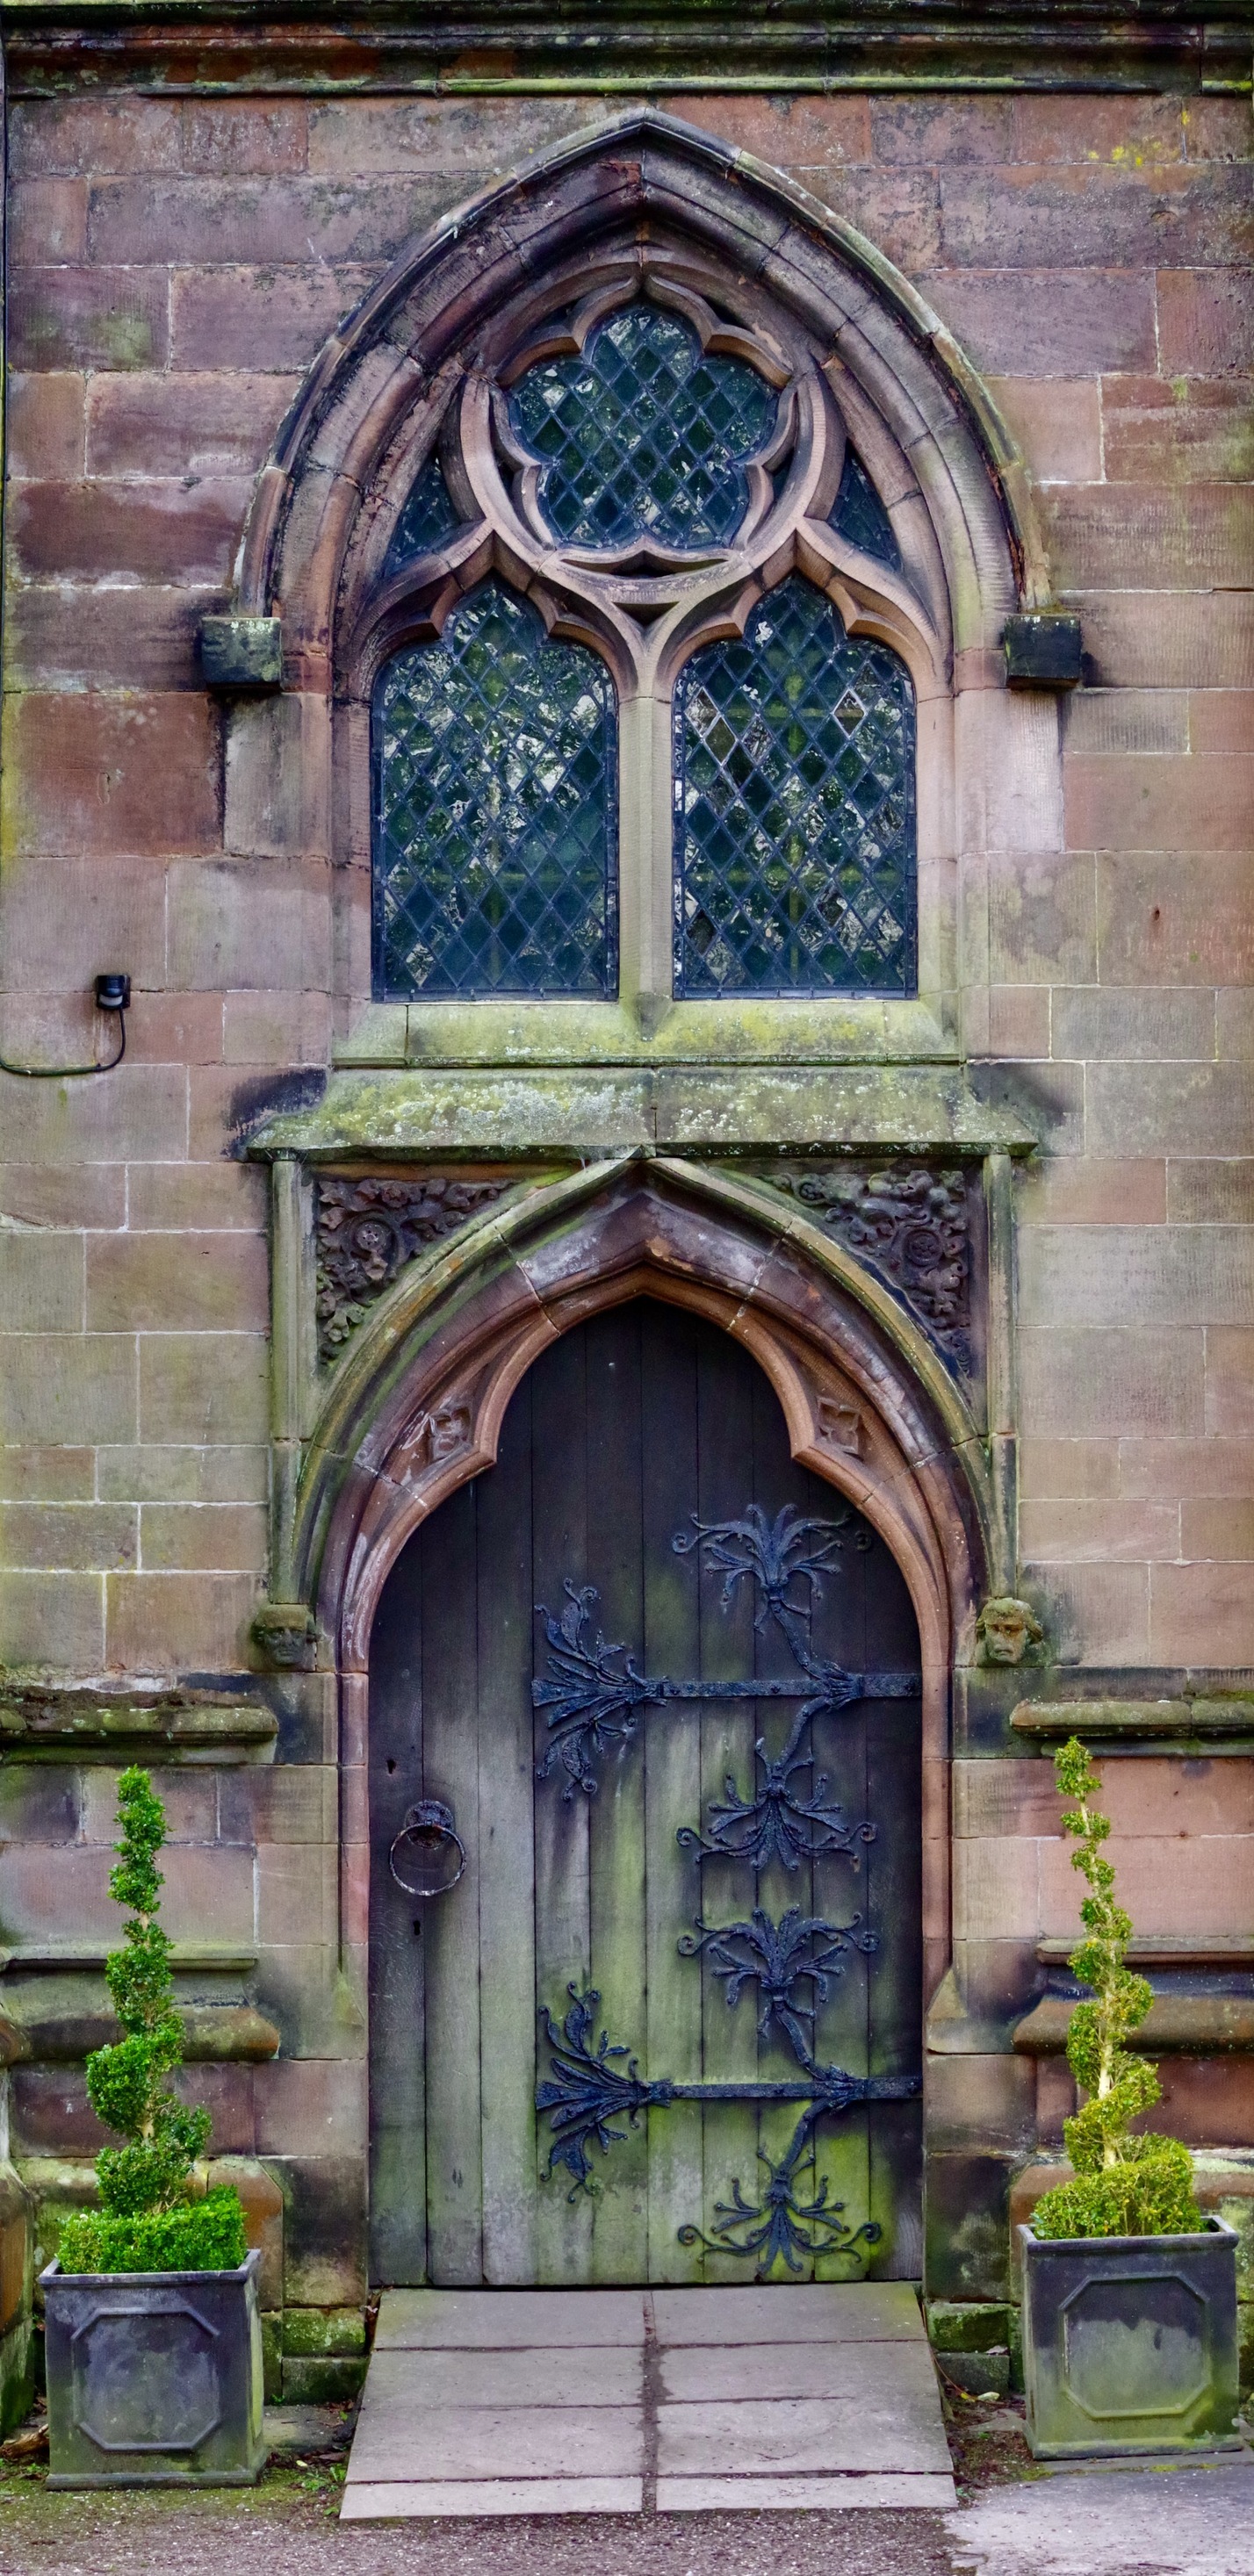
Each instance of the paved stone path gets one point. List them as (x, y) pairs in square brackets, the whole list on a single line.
[(1121, 2522), (664, 2401)]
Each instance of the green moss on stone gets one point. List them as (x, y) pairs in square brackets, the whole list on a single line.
[(319, 2332), (956, 2325)]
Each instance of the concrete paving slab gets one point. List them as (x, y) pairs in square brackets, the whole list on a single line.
[(401, 2501), (806, 2433), (1183, 2521), (608, 2375), (813, 2311), (814, 2398), (399, 2440), (502, 2319), (928, 2492), (849, 2370)]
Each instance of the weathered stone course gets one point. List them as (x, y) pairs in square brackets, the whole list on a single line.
[(177, 263)]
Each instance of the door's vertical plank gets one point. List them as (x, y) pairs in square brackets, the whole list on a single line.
[(672, 1644), (450, 1924), (559, 1500), (507, 2020), (843, 1886), (398, 2178), (894, 1776), (722, 1890), (779, 1486), (617, 1540), (896, 2037)]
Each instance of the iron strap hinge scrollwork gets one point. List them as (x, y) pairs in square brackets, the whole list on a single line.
[(587, 2090), (591, 2086), (593, 1693)]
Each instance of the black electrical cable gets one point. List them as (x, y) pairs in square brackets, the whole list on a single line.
[(68, 1072)]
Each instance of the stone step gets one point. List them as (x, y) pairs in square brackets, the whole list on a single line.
[(483, 2402)]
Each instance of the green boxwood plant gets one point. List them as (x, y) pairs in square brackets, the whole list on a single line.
[(147, 2221), (1127, 2183)]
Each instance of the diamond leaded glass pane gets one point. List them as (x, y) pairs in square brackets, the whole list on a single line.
[(643, 436), (495, 817), (860, 515), (427, 521), (794, 809)]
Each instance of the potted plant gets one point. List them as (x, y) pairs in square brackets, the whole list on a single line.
[(1129, 2291), (153, 2329)]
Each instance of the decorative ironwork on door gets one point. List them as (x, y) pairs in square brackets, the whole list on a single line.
[(595, 1696)]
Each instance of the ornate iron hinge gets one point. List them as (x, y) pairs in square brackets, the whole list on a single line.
[(594, 1693), (591, 2087)]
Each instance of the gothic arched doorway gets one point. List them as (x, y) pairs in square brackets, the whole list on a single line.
[(667, 2023)]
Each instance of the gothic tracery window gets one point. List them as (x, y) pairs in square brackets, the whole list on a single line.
[(645, 518), (494, 851), (643, 435), (794, 808)]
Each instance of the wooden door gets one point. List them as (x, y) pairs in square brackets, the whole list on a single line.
[(666, 2026)]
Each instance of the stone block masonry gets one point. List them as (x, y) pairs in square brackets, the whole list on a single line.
[(175, 266), (180, 248)]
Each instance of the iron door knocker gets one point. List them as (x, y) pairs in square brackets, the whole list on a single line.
[(430, 1832)]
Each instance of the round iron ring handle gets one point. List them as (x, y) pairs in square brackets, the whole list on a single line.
[(430, 1830)]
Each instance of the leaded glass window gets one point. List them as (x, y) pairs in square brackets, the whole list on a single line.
[(794, 809), (428, 519), (643, 435), (495, 762), (860, 514), (641, 460)]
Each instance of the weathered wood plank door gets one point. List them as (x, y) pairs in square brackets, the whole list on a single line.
[(666, 2025)]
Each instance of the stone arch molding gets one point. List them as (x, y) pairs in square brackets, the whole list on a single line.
[(418, 1409), (649, 188)]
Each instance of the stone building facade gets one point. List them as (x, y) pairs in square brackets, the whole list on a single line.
[(268, 1289)]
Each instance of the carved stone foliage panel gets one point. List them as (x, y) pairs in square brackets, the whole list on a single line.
[(918, 1227), (370, 1227)]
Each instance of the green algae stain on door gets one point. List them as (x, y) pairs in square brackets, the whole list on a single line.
[(666, 2026)]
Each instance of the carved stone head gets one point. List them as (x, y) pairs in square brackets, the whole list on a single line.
[(1006, 1629)]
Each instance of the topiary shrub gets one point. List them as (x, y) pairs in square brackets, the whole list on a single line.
[(1127, 2184), (146, 2221)]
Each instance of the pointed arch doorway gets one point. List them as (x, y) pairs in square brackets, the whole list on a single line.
[(658, 1682)]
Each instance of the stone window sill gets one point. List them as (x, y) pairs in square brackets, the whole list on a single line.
[(517, 1033)]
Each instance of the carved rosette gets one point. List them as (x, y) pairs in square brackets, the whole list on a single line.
[(911, 1225), (369, 1228)]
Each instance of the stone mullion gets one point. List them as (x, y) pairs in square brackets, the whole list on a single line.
[(644, 853)]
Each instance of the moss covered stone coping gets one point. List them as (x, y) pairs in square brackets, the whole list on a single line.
[(1175, 2025), (175, 1726), (1206, 2007), (615, 1109), (1218, 1725), (190, 1957), (213, 2034), (606, 47)]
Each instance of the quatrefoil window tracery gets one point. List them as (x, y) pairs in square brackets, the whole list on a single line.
[(643, 436), (648, 468)]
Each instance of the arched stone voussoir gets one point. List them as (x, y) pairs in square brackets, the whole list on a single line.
[(644, 175), (857, 1412)]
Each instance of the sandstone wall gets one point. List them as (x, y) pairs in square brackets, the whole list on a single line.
[(176, 264)]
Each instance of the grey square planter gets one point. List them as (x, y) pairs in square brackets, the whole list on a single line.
[(1130, 2342), (154, 2378)]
